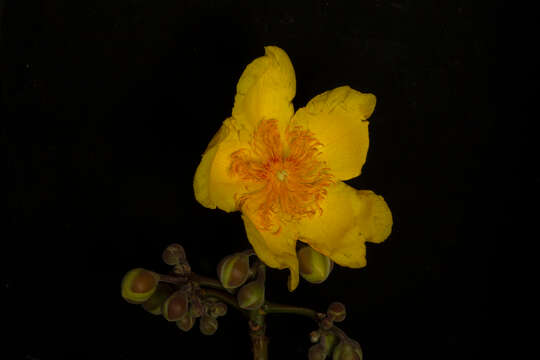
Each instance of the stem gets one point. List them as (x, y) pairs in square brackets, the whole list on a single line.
[(206, 281), (272, 308), (257, 332), (200, 279)]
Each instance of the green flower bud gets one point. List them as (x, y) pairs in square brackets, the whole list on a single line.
[(138, 285), (153, 305), (186, 322), (337, 311), (233, 270), (346, 350), (176, 306), (317, 352), (217, 309), (208, 325), (251, 295), (314, 266), (328, 340), (173, 254)]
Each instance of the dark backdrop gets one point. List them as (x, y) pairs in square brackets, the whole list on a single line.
[(108, 105)]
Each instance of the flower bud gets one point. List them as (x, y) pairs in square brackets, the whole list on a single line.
[(208, 325), (251, 295), (337, 311), (347, 351), (328, 340), (176, 306), (186, 322), (314, 266), (153, 305), (217, 309), (173, 254), (233, 270), (317, 352), (138, 285)]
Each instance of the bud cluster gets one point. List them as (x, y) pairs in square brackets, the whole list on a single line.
[(180, 301), (329, 339)]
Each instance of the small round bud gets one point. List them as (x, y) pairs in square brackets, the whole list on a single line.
[(182, 268), (176, 306), (317, 352), (186, 322), (208, 325), (314, 266), (153, 305), (173, 254), (233, 270), (217, 309), (346, 351), (251, 295), (337, 311), (138, 285)]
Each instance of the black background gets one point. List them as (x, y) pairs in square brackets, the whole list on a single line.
[(108, 105)]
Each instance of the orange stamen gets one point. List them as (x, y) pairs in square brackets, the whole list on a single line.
[(285, 180)]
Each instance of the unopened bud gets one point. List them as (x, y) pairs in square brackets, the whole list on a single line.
[(173, 254), (176, 306), (317, 352), (138, 285), (186, 322), (328, 340), (217, 309), (208, 325), (314, 266), (233, 270), (251, 295), (337, 311), (153, 305), (347, 351)]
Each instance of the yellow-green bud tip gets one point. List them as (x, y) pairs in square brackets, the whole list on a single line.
[(138, 285), (314, 267), (153, 305)]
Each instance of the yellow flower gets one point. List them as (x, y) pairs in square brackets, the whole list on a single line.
[(284, 170)]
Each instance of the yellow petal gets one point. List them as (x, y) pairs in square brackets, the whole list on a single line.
[(350, 217), (265, 90), (213, 184), (338, 119), (275, 250)]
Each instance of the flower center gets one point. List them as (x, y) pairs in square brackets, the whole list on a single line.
[(284, 178), (281, 175)]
